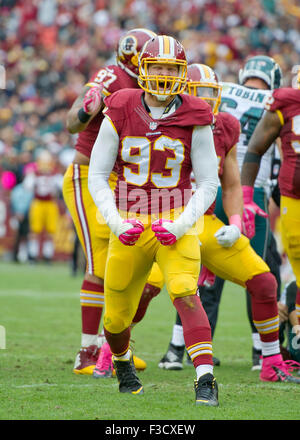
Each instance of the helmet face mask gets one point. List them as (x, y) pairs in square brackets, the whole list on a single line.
[(162, 67), (203, 82), (129, 47), (264, 68)]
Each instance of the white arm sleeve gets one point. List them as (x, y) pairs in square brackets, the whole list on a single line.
[(103, 157), (205, 168)]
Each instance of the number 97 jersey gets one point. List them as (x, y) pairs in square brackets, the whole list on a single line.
[(286, 103), (248, 106)]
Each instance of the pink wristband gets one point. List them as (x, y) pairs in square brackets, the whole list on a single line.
[(236, 220), (248, 192)]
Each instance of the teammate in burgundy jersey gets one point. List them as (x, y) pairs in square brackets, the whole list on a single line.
[(224, 251), (157, 138), (85, 118), (282, 120)]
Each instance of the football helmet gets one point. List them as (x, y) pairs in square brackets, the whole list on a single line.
[(202, 81), (262, 67), (161, 50), (129, 47)]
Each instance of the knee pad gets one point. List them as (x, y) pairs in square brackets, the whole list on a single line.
[(294, 246), (116, 325), (182, 285), (263, 287), (119, 271)]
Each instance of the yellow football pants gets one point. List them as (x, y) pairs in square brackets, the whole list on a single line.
[(290, 232)]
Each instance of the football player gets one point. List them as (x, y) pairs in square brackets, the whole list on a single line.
[(157, 136), (85, 118), (282, 120), (246, 101), (224, 251), (45, 183)]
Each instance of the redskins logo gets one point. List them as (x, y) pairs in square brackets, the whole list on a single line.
[(128, 45)]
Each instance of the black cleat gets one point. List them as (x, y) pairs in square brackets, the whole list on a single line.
[(206, 389), (256, 359), (172, 360), (126, 375)]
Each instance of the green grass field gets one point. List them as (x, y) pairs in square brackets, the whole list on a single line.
[(41, 315)]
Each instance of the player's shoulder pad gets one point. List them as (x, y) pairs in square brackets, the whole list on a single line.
[(121, 98), (230, 121), (282, 98), (198, 109)]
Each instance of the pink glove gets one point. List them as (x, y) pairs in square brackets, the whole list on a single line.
[(133, 229), (250, 210), (92, 100), (161, 232), (206, 278)]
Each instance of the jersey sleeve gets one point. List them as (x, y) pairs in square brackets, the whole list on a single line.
[(107, 77), (116, 106), (232, 130)]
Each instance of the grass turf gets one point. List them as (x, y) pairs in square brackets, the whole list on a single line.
[(41, 315)]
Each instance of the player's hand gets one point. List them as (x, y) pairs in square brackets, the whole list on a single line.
[(162, 229), (227, 235), (251, 209), (131, 230), (92, 100), (282, 312), (206, 278)]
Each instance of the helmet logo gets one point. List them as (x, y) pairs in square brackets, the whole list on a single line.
[(128, 45)]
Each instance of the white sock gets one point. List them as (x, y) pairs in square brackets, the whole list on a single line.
[(270, 348), (256, 341), (177, 335), (48, 249), (87, 340), (204, 369), (33, 247), (124, 357)]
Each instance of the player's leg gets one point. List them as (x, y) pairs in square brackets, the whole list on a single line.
[(240, 264), (290, 235), (127, 270), (180, 265), (36, 225), (51, 222), (93, 237)]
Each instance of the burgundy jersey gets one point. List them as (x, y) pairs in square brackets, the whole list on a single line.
[(112, 78), (286, 102), (226, 131), (153, 162), (45, 186)]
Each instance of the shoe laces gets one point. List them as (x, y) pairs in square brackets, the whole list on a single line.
[(206, 387), (127, 372), (291, 365)]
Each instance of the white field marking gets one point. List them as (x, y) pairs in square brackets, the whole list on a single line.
[(40, 294), (67, 385)]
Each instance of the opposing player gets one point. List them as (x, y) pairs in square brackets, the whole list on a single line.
[(85, 118), (282, 120), (224, 251), (157, 136), (45, 184), (246, 101)]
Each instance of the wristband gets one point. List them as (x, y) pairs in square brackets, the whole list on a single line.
[(236, 220), (83, 116)]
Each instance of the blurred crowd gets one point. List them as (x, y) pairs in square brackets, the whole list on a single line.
[(49, 48)]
